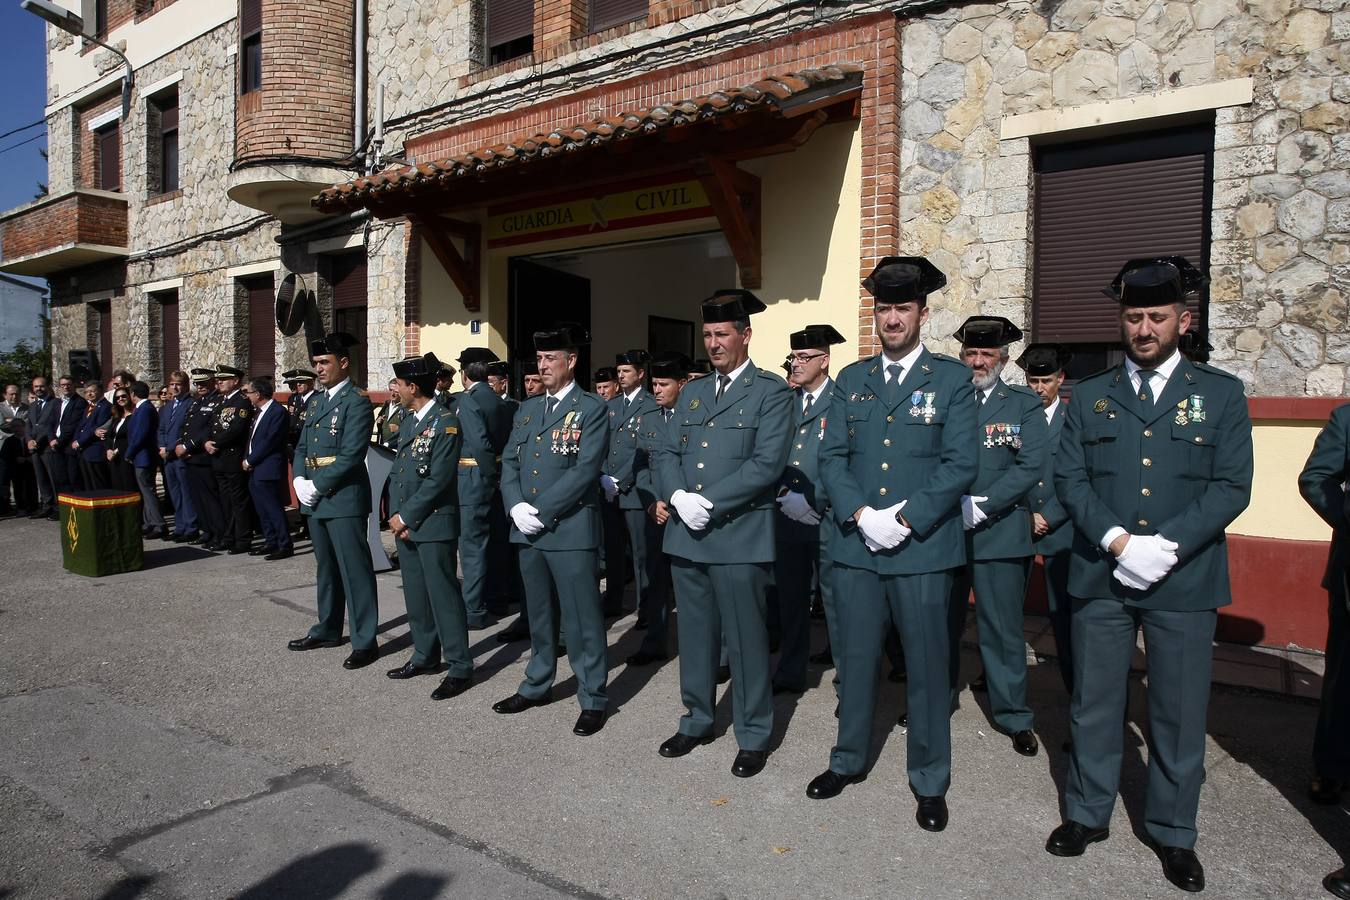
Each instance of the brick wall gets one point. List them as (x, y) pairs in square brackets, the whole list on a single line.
[(557, 22), (86, 157), (73, 218)]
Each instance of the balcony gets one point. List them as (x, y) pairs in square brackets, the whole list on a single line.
[(66, 231)]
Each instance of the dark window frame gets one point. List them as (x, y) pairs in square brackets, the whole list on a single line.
[(109, 135), (165, 121), (250, 46), (515, 38)]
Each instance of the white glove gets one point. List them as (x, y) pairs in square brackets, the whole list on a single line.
[(1148, 558), (305, 491), (609, 486), (795, 507), (526, 518), (880, 529), (971, 513), (694, 509), (1124, 576)]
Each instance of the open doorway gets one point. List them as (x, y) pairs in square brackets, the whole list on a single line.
[(541, 297)]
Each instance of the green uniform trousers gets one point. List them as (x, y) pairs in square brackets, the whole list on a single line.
[(1178, 648), (1056, 570), (798, 566), (868, 606), (717, 603), (574, 575), (474, 531), (1000, 590), (654, 599), (613, 555), (435, 609), (1331, 741), (346, 580)]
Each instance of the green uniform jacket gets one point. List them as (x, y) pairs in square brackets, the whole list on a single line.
[(1043, 498), (387, 420), (338, 427), (1322, 484), (553, 464), (732, 451), (1182, 469), (1012, 439), (918, 449), (423, 484), (803, 470), (623, 445), (649, 434), (484, 424)]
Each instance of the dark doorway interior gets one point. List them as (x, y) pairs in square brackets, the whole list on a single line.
[(540, 298)]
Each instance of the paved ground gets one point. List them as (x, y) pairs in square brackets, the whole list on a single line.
[(157, 740)]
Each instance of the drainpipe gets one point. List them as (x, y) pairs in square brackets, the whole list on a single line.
[(359, 62)]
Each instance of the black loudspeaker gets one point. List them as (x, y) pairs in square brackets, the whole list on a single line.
[(84, 366)]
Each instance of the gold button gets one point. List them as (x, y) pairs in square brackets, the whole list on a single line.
[(799, 446), (700, 465), (1143, 396), (1146, 461), (698, 487), (1199, 439), (882, 491), (711, 424), (1143, 521), (1148, 432), (890, 418), (705, 443), (796, 462), (538, 438), (885, 442), (802, 430), (1146, 492), (534, 490), (536, 472), (885, 466), (536, 456), (1040, 484)]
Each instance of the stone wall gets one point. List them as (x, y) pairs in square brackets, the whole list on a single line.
[(1280, 257)]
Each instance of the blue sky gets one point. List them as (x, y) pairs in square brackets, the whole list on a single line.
[(23, 73)]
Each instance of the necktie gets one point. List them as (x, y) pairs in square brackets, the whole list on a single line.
[(667, 413), (807, 406), (626, 403), (895, 370), (1145, 389), (723, 382), (551, 406)]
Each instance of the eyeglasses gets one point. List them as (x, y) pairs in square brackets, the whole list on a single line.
[(121, 396), (805, 357)]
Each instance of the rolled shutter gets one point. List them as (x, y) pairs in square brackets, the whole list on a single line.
[(508, 20), (110, 158), (250, 17), (608, 13), (169, 332), (349, 280), (262, 330), (1089, 221)]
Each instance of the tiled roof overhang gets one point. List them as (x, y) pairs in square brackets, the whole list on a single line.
[(785, 96)]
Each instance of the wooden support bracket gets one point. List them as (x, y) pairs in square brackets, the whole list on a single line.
[(464, 269), (735, 198)]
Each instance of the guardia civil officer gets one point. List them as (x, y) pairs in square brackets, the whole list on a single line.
[(229, 435), (617, 480), (1322, 484), (1044, 366), (606, 383), (550, 474), (669, 373), (484, 425), (1154, 462), (804, 528), (191, 446), (424, 519), (301, 383), (896, 459), (445, 385), (718, 469), (1011, 436), (334, 493)]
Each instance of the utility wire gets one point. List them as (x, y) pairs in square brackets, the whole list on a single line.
[(36, 137), (24, 128)]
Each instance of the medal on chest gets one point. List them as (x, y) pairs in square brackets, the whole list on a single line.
[(333, 425), (566, 439)]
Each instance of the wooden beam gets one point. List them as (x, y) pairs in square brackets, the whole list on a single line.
[(735, 198), (464, 269)]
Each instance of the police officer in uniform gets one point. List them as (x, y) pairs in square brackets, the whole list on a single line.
[(1044, 366), (550, 472), (229, 436), (804, 526), (896, 459), (301, 383), (334, 493), (1012, 436), (499, 379), (191, 446), (1154, 463), (718, 470), (484, 425), (424, 519), (387, 418), (625, 514)]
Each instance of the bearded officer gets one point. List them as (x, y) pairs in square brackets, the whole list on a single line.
[(803, 524), (718, 470), (334, 493), (617, 481), (550, 474), (1011, 435), (896, 459), (484, 424), (1154, 463), (424, 519), (1044, 366)]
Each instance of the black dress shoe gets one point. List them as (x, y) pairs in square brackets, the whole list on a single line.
[(311, 643), (409, 670), (361, 658), (784, 689), (283, 553), (723, 674), (932, 813), (823, 658), (830, 784), (1326, 791), (980, 684), (682, 745), (1182, 868), (589, 722), (513, 634), (749, 763), (260, 551), (1338, 883), (1072, 838), (518, 704), (451, 687), (640, 624), (904, 719), (237, 549), (643, 658), (1025, 743)]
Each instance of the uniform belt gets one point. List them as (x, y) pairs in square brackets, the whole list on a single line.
[(471, 462), (318, 462)]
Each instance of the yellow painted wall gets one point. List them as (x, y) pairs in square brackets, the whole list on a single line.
[(1277, 510), (445, 322)]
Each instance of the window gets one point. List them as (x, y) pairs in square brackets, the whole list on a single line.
[(250, 46), (101, 18), (103, 312), (608, 13), (162, 171), (168, 331), (108, 141), (348, 278), (262, 332), (509, 29)]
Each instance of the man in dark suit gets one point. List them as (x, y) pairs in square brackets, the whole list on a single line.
[(484, 424), (88, 443), (38, 438), (265, 464), (1154, 463), (61, 423), (229, 434), (191, 449), (171, 417), (143, 455)]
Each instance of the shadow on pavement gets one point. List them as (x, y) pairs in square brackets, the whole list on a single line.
[(317, 876), (126, 889)]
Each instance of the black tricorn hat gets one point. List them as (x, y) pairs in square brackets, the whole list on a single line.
[(731, 304), (471, 355), (336, 344), (417, 367), (499, 369), (445, 371), (700, 367), (229, 372), (638, 359), (291, 376), (1193, 342), (562, 336), (606, 373), (672, 364), (897, 279), (529, 367), (988, 332), (815, 337), (787, 364), (1044, 359), (1155, 281)]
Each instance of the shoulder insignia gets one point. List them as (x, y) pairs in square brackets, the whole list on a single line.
[(1099, 406), (693, 404), (451, 429)]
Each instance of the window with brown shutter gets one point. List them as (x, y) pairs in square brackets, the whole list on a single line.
[(509, 28), (250, 45), (1099, 204), (347, 272), (109, 141), (168, 142), (262, 333), (608, 13), (168, 331)]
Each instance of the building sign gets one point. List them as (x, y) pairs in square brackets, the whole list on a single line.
[(647, 205)]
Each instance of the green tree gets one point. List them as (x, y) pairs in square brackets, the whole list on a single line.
[(25, 362)]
